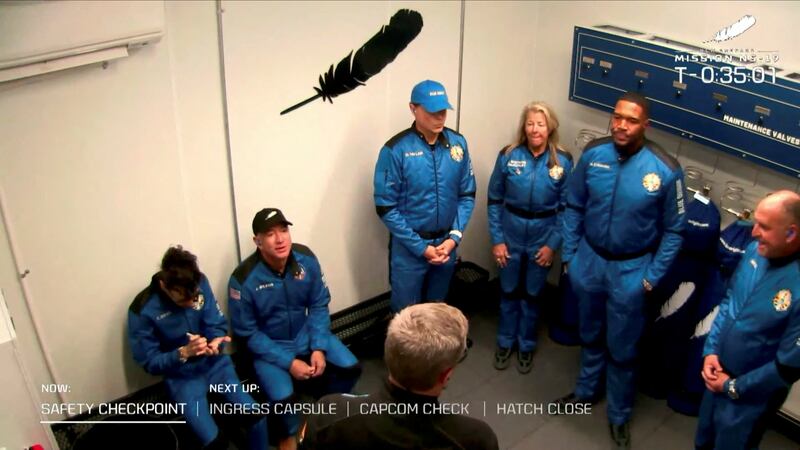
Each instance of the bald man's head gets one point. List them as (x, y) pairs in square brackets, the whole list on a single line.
[(777, 220)]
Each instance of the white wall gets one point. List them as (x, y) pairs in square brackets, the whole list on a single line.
[(317, 162), (101, 170), (499, 44)]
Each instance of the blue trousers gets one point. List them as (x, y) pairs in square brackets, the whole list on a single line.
[(341, 374), (726, 424), (520, 281), (414, 280), (611, 318), (194, 390)]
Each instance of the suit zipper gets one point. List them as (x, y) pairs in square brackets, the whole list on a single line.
[(288, 310), (436, 184), (611, 210)]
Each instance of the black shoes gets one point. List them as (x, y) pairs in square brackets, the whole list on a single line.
[(502, 358), (524, 362), (621, 435), (566, 404)]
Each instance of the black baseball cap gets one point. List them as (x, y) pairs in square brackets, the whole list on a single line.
[(268, 218)]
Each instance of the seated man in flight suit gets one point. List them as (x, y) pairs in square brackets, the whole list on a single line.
[(278, 302), (176, 329)]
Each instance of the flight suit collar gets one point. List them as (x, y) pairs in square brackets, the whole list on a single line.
[(624, 156), (780, 262), (291, 265), (442, 139)]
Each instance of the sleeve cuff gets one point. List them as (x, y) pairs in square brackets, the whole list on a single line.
[(455, 235), (285, 361)]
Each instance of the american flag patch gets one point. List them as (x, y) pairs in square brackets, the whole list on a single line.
[(234, 294)]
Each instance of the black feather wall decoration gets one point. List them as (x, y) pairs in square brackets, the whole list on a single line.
[(371, 58)]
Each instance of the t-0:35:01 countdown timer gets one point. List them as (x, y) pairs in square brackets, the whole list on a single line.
[(729, 74)]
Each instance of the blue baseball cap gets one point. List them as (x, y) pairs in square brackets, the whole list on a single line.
[(431, 96)]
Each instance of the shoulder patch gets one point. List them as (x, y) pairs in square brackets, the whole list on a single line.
[(597, 142), (565, 154), (393, 140), (662, 154), (243, 270), (303, 250), (454, 132), (141, 300)]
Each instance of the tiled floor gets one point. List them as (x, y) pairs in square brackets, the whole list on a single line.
[(654, 426)]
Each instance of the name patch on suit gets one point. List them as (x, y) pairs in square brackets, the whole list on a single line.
[(264, 286), (410, 154), (599, 164)]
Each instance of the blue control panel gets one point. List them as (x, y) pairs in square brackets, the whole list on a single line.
[(740, 104)]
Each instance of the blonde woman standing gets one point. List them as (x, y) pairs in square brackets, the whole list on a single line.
[(527, 195)]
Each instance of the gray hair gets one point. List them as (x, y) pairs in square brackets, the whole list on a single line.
[(423, 341)]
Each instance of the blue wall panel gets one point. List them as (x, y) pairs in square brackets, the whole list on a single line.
[(715, 102)]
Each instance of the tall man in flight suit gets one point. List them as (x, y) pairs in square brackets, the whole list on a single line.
[(424, 194), (752, 354), (176, 329), (624, 218), (278, 302)]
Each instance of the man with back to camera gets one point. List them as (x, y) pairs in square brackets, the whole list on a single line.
[(424, 194), (177, 329), (752, 354), (623, 225), (423, 345), (278, 302)]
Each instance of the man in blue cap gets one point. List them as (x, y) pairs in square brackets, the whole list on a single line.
[(424, 193)]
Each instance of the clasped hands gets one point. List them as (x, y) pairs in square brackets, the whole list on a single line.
[(302, 371), (713, 374), (200, 346), (441, 253)]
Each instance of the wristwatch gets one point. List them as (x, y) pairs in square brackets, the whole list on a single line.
[(732, 389)]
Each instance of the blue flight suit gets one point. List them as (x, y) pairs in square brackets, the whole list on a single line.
[(424, 194), (688, 394), (526, 200), (756, 336), (623, 224), (284, 316), (157, 327), (732, 242), (677, 298)]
